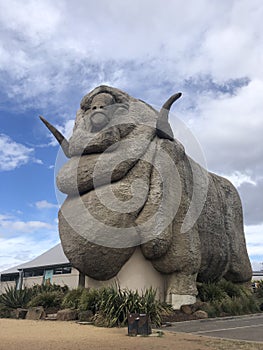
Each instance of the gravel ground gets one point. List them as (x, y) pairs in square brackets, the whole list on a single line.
[(57, 335)]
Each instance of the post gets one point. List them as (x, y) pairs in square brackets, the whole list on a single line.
[(81, 280), (20, 280)]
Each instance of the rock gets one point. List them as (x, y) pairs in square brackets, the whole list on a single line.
[(85, 316), (36, 313), (20, 313), (67, 315), (198, 306), (200, 314), (186, 309)]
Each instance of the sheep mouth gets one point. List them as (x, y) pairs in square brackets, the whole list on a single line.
[(99, 120)]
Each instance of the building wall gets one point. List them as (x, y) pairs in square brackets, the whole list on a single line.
[(31, 281), (137, 274), (70, 279), (257, 277), (4, 285)]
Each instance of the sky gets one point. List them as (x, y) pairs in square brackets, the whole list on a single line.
[(54, 52)]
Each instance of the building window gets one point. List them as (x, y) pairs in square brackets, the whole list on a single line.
[(9, 277), (33, 273), (62, 270)]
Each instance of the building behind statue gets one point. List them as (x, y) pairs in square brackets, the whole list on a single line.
[(54, 267)]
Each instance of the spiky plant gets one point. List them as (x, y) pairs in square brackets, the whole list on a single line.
[(209, 292), (13, 298), (90, 299), (116, 304)]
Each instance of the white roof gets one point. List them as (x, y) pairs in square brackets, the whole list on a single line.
[(54, 256), (10, 270)]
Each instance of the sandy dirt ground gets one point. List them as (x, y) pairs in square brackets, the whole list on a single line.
[(57, 335)]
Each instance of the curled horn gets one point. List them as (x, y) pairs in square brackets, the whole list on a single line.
[(163, 127), (60, 138)]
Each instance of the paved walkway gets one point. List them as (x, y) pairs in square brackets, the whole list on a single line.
[(248, 327)]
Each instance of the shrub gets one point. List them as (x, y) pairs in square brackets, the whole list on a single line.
[(111, 305), (90, 299), (218, 291), (232, 289), (154, 308), (232, 306), (212, 309), (226, 298), (72, 298), (5, 312), (13, 298), (38, 295), (47, 299), (209, 292), (250, 305), (40, 288), (115, 305), (259, 289)]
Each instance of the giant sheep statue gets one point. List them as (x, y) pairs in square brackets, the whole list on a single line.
[(130, 184)]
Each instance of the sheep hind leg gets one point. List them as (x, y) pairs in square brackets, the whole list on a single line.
[(180, 289)]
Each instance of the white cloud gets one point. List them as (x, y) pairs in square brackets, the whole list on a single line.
[(149, 48), (65, 129), (251, 196), (29, 226), (230, 128), (254, 235), (45, 205), (256, 265), (237, 178), (38, 161), (12, 226), (13, 154), (21, 241), (5, 217), (17, 250), (164, 42), (68, 128), (229, 48), (43, 18)]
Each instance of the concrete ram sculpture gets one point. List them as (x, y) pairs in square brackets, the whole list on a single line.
[(130, 185)]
